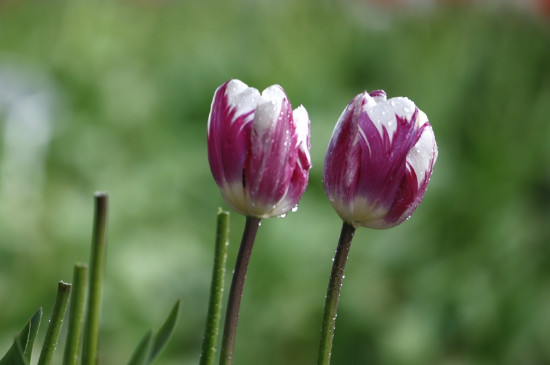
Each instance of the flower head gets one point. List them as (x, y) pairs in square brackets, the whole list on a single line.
[(379, 160), (258, 149)]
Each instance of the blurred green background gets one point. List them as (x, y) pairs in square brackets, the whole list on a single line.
[(115, 96)]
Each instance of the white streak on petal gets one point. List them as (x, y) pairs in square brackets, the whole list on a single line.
[(383, 113), (367, 213), (242, 97), (269, 108), (421, 119), (361, 134), (378, 95), (367, 100), (301, 119), (235, 195), (424, 153)]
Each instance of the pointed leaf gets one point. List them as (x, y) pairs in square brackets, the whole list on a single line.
[(14, 356), (34, 325), (143, 351), (163, 334), (20, 352)]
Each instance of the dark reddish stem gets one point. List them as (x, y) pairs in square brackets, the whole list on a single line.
[(236, 291)]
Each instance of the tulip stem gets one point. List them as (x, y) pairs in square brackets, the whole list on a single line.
[(216, 290), (76, 314), (54, 327), (90, 338), (333, 293), (235, 293)]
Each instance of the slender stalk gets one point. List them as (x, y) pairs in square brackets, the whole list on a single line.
[(235, 293), (76, 314), (56, 321), (333, 293), (216, 290), (97, 262)]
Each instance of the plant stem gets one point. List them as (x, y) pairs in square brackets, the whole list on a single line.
[(56, 321), (76, 314), (333, 293), (216, 289), (235, 293), (97, 262)]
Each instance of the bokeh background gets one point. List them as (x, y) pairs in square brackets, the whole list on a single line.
[(115, 95)]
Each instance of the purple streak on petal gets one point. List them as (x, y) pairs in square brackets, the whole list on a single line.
[(343, 157), (383, 160), (410, 193), (407, 199), (272, 159), (378, 93), (228, 139)]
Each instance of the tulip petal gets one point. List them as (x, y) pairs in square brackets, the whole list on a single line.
[(300, 175), (272, 156), (378, 95), (384, 166), (422, 157), (343, 159), (301, 120), (229, 126), (420, 162)]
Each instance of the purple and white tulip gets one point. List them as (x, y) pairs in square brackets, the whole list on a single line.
[(258, 149), (379, 160)]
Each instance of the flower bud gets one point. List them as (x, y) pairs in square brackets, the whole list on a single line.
[(258, 149), (379, 160)]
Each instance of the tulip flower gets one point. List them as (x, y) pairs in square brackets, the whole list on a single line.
[(258, 149), (377, 167), (379, 160)]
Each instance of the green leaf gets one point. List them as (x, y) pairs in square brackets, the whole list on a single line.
[(142, 353), (151, 345), (14, 356), (34, 325), (163, 334), (21, 350)]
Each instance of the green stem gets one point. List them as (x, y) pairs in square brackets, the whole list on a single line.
[(235, 293), (56, 321), (97, 262), (76, 314), (216, 290), (333, 293)]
